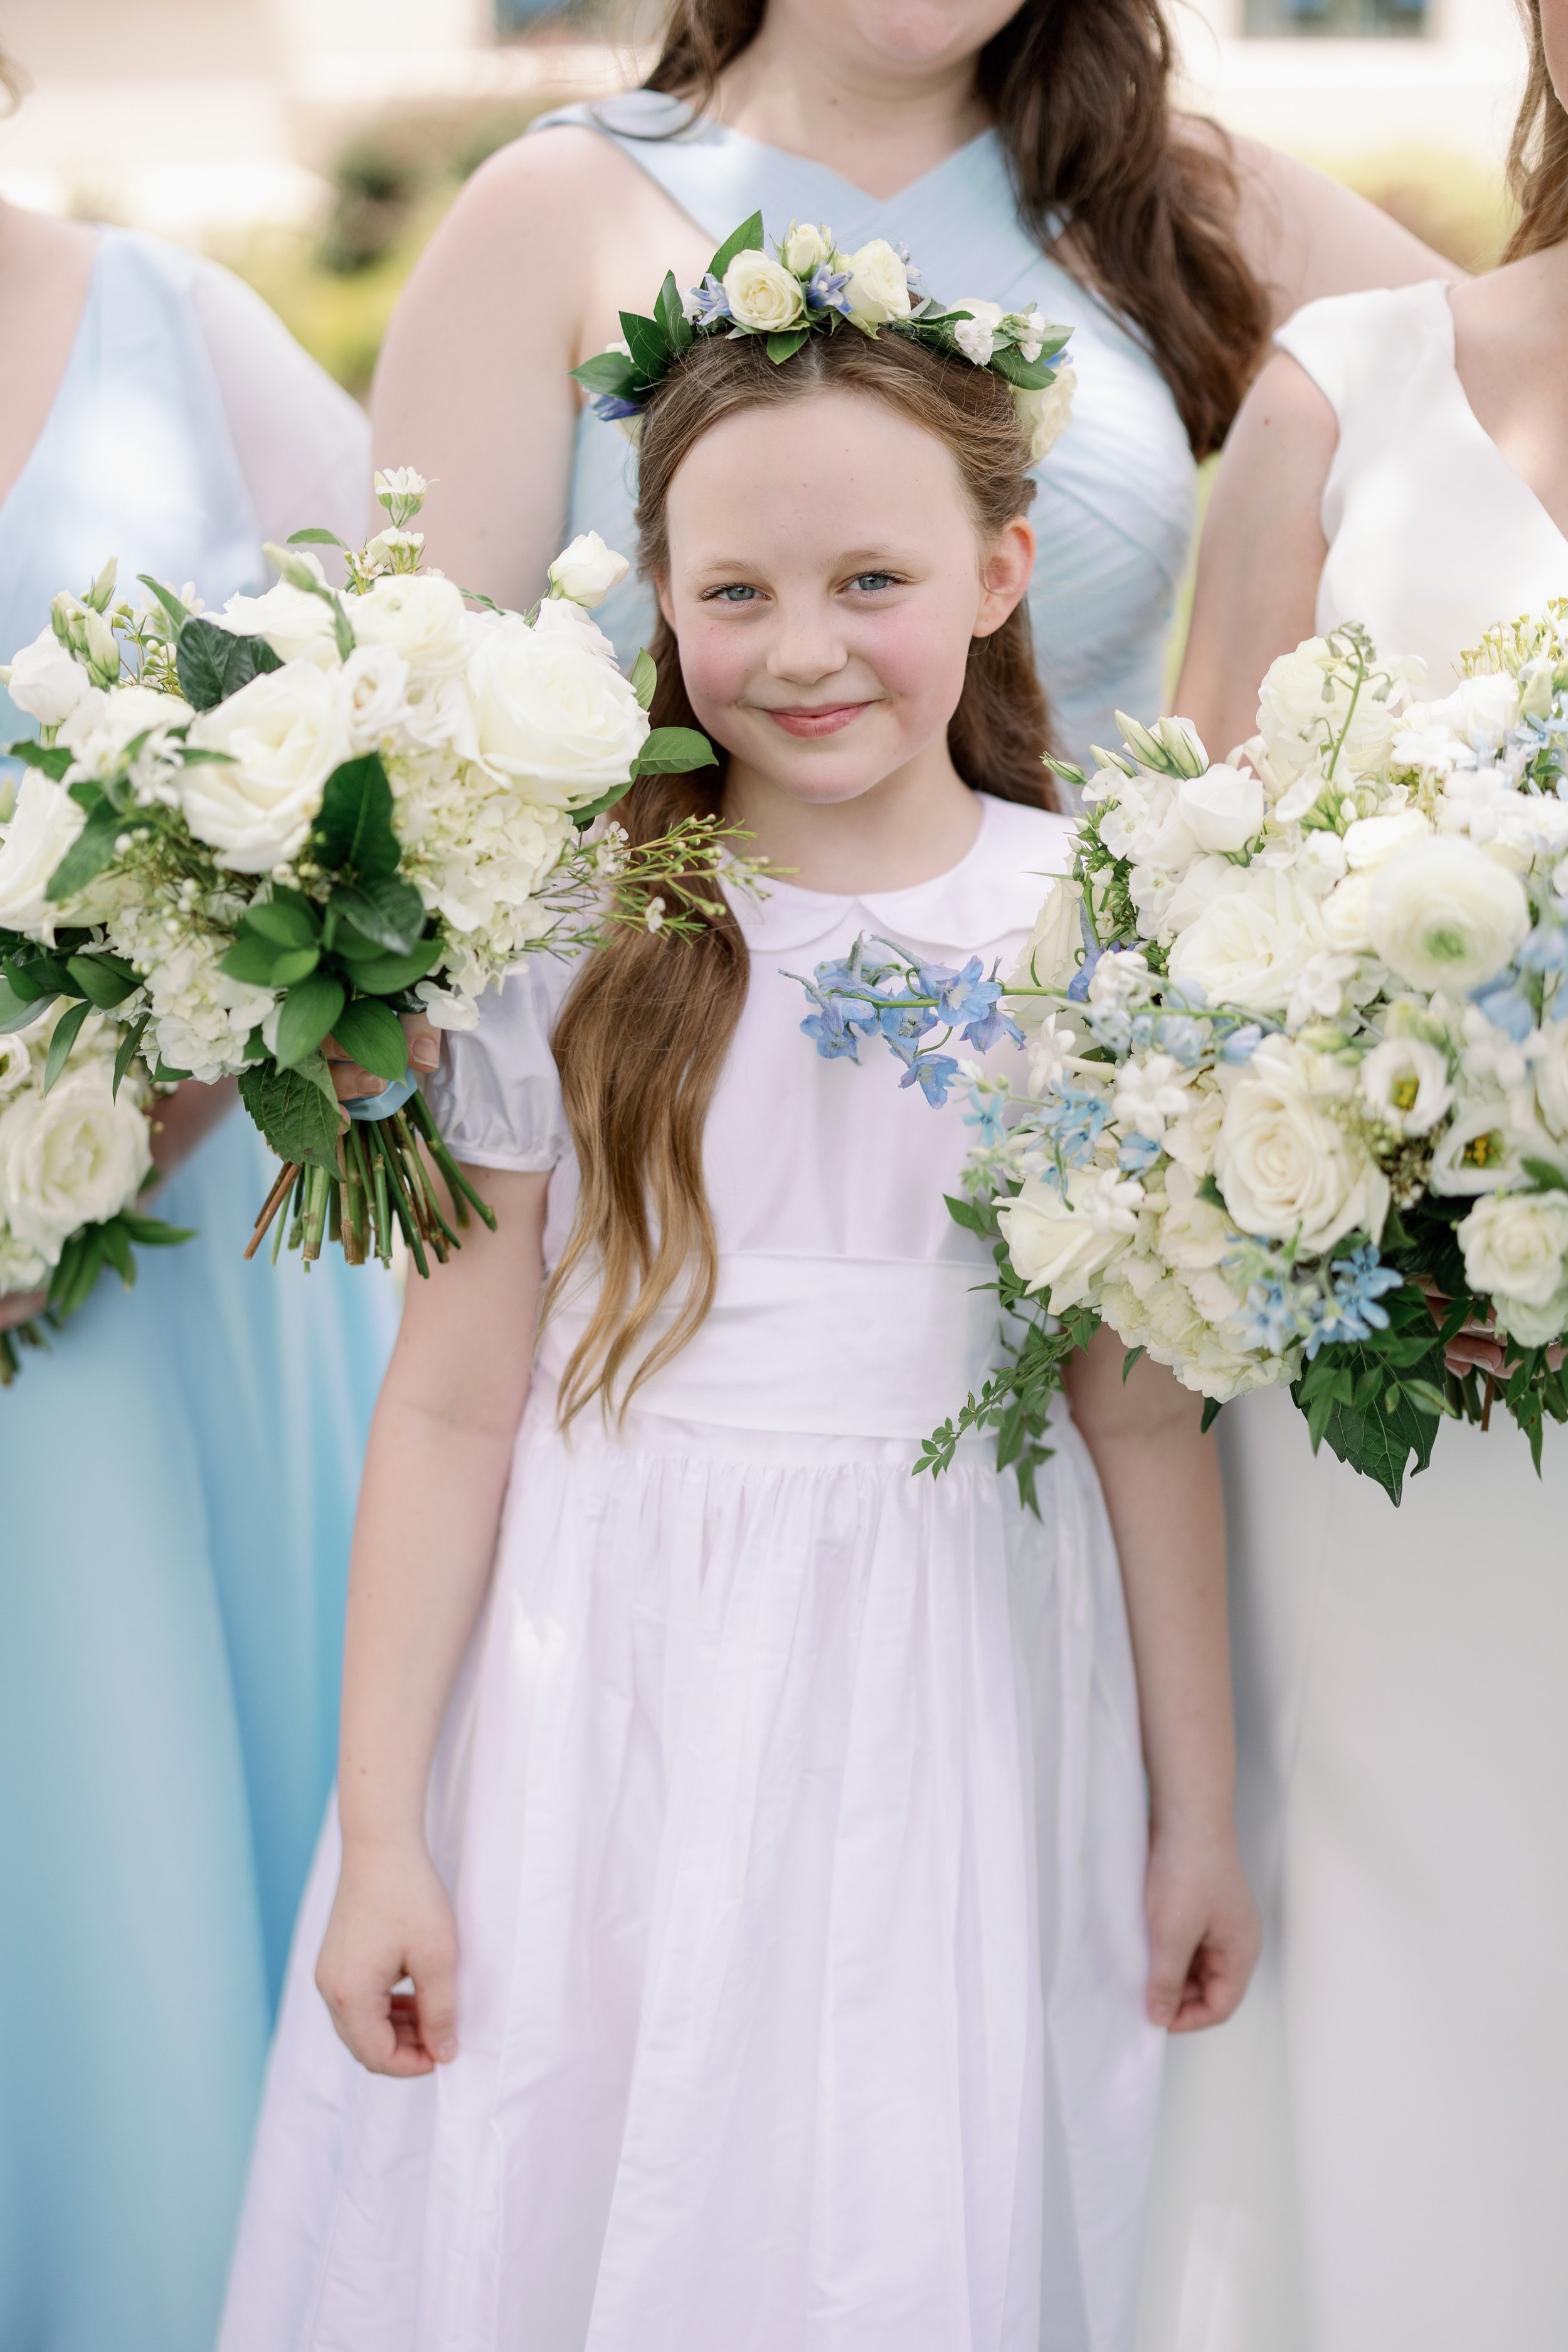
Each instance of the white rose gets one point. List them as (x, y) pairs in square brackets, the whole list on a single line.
[(549, 711), (1482, 711), (1194, 1233), (72, 1157), (1405, 1082), (571, 620), (1370, 841), (43, 825), (587, 570), (1046, 413), (102, 727), (806, 247), (977, 335), (1285, 1170), (372, 689), (1223, 807), (762, 294), (1549, 1067), (295, 625), (1533, 1326), (878, 288), (1514, 1245), (420, 616), (1054, 948), (1054, 1243), (45, 681), (1251, 942), (1306, 697), (1444, 915), (1146, 824), (284, 734)]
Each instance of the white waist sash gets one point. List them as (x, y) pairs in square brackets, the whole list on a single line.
[(825, 1346)]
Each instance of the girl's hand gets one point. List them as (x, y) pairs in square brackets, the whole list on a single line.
[(20, 1306), (1477, 1346), (352, 1082), (1204, 1931), (391, 1920)]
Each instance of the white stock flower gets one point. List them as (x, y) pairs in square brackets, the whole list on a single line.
[(1053, 1243), (1404, 1083), (1372, 841), (284, 733), (1320, 862), (585, 572), (1318, 991), (1252, 941), (977, 335), (1223, 808), (878, 288), (1286, 1171), (1444, 915), (73, 1157), (295, 625), (1514, 1245), (420, 616), (1148, 1093), (372, 689), (1118, 979), (1480, 711), (45, 681), (547, 710), (762, 294), (43, 825), (807, 246), (1146, 824), (1162, 1313), (1029, 331), (1050, 956), (1191, 1139), (1046, 413), (1053, 1047)]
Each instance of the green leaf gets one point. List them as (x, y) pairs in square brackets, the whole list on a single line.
[(152, 1233), (89, 853), (213, 663), (390, 913), (645, 676), (583, 817), (373, 1037), (650, 353), (1213, 1408), (178, 613), (165, 1077), (16, 1011), (301, 1122), (252, 960), (610, 371), (674, 751), (388, 975), (105, 981), (286, 918), (75, 1274), (353, 833), (1546, 1174), (68, 1028), (54, 758), (784, 346), (1030, 375), (115, 1244), (747, 238), (306, 1017), (127, 1054), (315, 536), (294, 964), (676, 326), (1128, 1360)]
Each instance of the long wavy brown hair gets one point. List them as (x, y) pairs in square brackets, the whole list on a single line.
[(643, 1035), (1537, 151), (1079, 90)]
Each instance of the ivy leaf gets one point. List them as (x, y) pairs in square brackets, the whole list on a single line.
[(374, 1037), (389, 912), (305, 1016), (674, 751), (213, 663), (300, 1121), (353, 831), (68, 1028), (747, 238)]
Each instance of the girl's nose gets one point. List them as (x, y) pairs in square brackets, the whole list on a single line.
[(807, 646)]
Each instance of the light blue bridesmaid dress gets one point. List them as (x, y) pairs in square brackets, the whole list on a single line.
[(177, 1480), (1116, 504)]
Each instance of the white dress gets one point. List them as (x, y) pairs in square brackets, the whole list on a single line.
[(792, 1804), (1372, 2157)]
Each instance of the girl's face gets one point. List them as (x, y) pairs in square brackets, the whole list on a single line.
[(825, 581)]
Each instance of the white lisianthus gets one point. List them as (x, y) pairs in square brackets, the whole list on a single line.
[(1251, 942), (806, 247), (43, 825), (400, 483), (1045, 412), (1482, 1150), (585, 572), (762, 294), (878, 288), (373, 692), (45, 681), (1286, 1169), (1050, 956), (73, 1157), (1514, 1245), (1055, 1242), (977, 335), (1223, 808), (1148, 1093), (284, 733), (1404, 1083), (1444, 915), (549, 711), (295, 625), (1370, 841)]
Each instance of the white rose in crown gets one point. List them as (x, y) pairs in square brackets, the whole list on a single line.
[(1442, 913), (550, 712), (1285, 1169), (806, 247), (44, 681), (283, 734), (587, 570), (295, 625), (762, 294), (878, 288), (418, 615), (74, 1157), (1046, 413), (977, 335), (43, 825)]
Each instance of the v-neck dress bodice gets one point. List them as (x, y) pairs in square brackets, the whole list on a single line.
[(1116, 502)]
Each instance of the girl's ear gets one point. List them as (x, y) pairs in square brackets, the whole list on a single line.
[(1005, 574)]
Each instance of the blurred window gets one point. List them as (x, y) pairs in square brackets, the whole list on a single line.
[(1335, 20)]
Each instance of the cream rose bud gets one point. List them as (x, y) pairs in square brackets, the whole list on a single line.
[(43, 825), (1370, 841), (806, 247), (1054, 1242), (1045, 413), (1223, 808), (1444, 915), (420, 616), (284, 733), (45, 681), (1286, 1172), (295, 625), (762, 294), (1514, 1245), (1053, 950), (72, 1157), (550, 712), (878, 288), (1404, 1083), (585, 572), (977, 335)]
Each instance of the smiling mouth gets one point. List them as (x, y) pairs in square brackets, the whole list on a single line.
[(826, 721)]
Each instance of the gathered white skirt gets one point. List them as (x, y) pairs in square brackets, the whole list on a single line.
[(793, 1815)]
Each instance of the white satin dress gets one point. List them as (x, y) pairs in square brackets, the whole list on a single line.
[(792, 1804), (1372, 2156)]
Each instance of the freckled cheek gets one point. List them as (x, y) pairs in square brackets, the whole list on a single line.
[(920, 655), (715, 665)]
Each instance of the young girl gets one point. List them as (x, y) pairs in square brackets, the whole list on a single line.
[(763, 1827)]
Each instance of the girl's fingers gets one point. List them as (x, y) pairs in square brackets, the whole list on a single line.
[(20, 1306), (436, 2001), (1171, 1960), (424, 1042)]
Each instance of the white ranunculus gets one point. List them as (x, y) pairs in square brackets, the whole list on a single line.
[(1404, 1083), (977, 335), (45, 681), (295, 625), (1055, 1242), (1249, 944), (1046, 413), (1480, 710), (420, 616), (1372, 841), (1223, 808), (1444, 915), (72, 1157), (807, 246), (284, 734), (1053, 950), (585, 572), (549, 712), (102, 727), (43, 825), (1285, 1169), (762, 294), (1549, 1068), (373, 690), (1514, 1245), (878, 288)]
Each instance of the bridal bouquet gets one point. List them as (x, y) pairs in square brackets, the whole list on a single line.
[(242, 836), (74, 1160), (1297, 1104)]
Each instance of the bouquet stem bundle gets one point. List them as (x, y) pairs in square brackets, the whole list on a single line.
[(382, 1187)]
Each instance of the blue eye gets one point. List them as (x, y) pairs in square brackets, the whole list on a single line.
[(735, 593), (872, 581)]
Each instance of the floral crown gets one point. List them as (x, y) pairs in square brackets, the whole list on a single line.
[(813, 288)]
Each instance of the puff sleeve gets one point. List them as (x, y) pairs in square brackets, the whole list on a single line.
[(497, 1095)]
